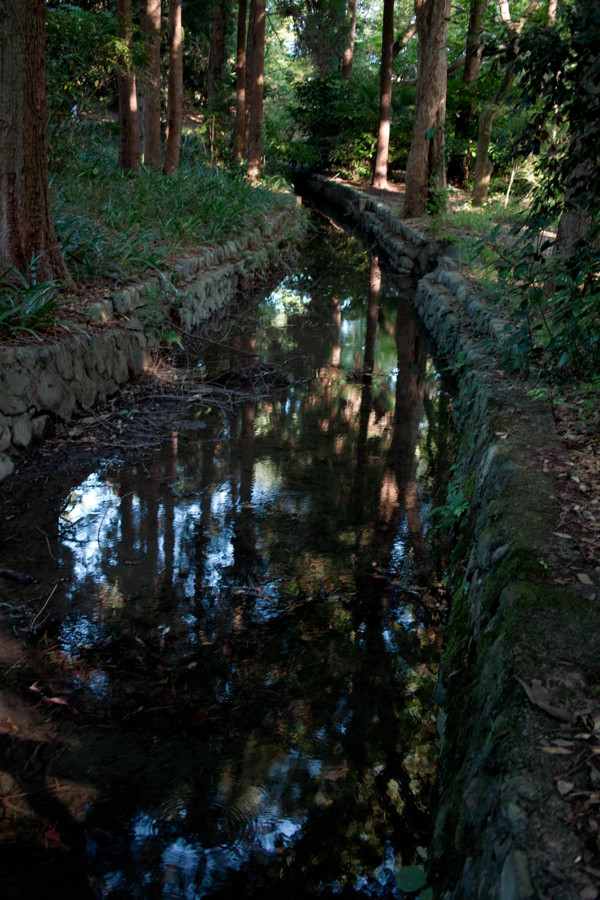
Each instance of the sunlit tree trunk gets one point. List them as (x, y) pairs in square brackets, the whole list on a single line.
[(239, 128), (26, 229), (152, 151), (385, 96), (175, 117), (460, 163), (130, 156), (256, 98), (348, 59), (426, 166)]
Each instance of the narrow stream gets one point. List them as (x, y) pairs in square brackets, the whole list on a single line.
[(221, 682)]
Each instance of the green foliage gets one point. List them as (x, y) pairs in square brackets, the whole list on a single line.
[(337, 118), (118, 224), (82, 50), (557, 288), (25, 304)]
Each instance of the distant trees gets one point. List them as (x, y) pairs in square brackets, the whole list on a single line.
[(27, 235)]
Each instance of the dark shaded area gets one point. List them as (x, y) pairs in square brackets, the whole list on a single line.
[(221, 682)]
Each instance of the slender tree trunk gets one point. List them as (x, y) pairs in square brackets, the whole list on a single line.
[(426, 166), (130, 156), (250, 49), (27, 234), (348, 59), (460, 163), (217, 51), (239, 128), (175, 118), (403, 39), (385, 95), (152, 152), (256, 98), (483, 165)]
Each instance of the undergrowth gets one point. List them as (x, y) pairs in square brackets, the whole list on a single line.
[(118, 224)]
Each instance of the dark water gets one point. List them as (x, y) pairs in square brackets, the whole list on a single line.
[(244, 625)]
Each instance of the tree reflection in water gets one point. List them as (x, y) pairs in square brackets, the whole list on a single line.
[(246, 628)]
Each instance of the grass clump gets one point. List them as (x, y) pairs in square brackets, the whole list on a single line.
[(119, 224), (25, 304)]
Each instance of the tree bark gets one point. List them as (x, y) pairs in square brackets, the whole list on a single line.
[(348, 59), (152, 150), (27, 236), (460, 163), (130, 156), (175, 117), (250, 47), (239, 128), (217, 51), (256, 97), (426, 166), (385, 96)]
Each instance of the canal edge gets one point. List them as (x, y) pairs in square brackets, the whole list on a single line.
[(500, 823), (111, 342)]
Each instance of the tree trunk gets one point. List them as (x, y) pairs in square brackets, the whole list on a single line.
[(460, 163), (217, 51), (250, 48), (175, 118), (239, 128), (130, 156), (426, 166), (152, 152), (256, 98), (348, 59), (385, 96), (27, 235), (483, 165)]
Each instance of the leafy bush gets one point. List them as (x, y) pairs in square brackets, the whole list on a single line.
[(336, 122)]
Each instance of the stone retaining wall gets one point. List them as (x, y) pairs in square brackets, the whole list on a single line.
[(499, 831), (41, 383), (399, 240)]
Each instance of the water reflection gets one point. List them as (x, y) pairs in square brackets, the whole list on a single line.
[(244, 627)]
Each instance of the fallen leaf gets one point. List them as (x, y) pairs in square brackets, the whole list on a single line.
[(557, 751), (56, 700), (52, 835), (584, 578), (564, 787), (538, 695), (589, 893)]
